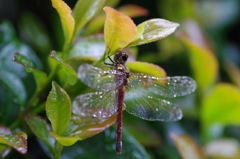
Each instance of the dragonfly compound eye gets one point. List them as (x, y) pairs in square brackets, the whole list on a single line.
[(121, 57), (125, 57)]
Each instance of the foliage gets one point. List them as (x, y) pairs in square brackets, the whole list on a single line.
[(37, 85)]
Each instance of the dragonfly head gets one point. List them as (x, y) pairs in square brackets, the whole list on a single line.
[(120, 57)]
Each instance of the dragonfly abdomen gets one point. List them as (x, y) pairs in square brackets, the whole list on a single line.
[(120, 96)]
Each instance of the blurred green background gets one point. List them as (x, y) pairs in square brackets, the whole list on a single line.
[(205, 47)]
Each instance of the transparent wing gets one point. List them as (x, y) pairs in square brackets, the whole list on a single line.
[(96, 78), (164, 86), (147, 107), (96, 104)]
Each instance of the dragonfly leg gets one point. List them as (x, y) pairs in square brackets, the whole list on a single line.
[(110, 64)]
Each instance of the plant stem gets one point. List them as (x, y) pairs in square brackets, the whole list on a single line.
[(66, 48), (58, 151), (37, 93), (99, 61)]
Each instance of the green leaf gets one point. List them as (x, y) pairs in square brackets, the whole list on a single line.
[(119, 30), (7, 33), (112, 3), (7, 53), (80, 128), (58, 108), (204, 64), (143, 133), (147, 68), (92, 47), (187, 147), (85, 127), (169, 47), (17, 142), (102, 146), (23, 60), (4, 150), (66, 19), (222, 107), (84, 10), (65, 141), (33, 32), (67, 74), (41, 129), (12, 76), (154, 29), (95, 25), (57, 32), (15, 85), (40, 77)]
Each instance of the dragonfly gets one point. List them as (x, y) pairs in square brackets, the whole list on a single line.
[(139, 94)]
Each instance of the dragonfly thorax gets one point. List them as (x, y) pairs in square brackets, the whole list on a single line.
[(121, 58)]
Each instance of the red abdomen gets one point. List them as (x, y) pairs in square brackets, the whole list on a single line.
[(120, 99)]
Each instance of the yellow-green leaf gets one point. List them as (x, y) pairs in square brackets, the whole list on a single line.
[(148, 68), (233, 72), (84, 10), (133, 10), (65, 141), (97, 23), (67, 20), (140, 30), (154, 29), (58, 108), (18, 142), (221, 106), (119, 30), (187, 147), (204, 64), (23, 134)]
